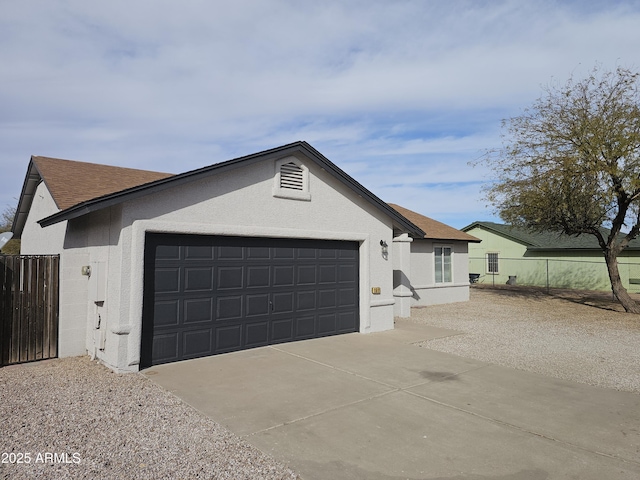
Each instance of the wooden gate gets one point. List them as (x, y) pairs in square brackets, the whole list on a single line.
[(28, 308)]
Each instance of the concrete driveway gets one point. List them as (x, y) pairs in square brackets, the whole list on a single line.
[(376, 407)]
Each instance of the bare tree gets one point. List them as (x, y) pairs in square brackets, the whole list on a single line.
[(6, 221), (571, 164)]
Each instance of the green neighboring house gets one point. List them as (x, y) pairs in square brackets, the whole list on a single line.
[(514, 255)]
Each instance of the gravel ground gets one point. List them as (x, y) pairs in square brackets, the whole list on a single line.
[(583, 337), (108, 426), (111, 426)]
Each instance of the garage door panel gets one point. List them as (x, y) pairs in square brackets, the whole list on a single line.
[(167, 313), (230, 253), (198, 252), (258, 305), (257, 334), (198, 279), (307, 253), (328, 254), (197, 343), (347, 273), (228, 338), (327, 298), (258, 253), (165, 348), (283, 276), (229, 308), (305, 327), (348, 254), (258, 276), (283, 303), (282, 330), (230, 278), (168, 252), (210, 295), (306, 274), (328, 274), (283, 253), (326, 323), (306, 300), (347, 321), (198, 310), (347, 296), (167, 280)]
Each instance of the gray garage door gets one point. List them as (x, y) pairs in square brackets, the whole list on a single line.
[(206, 295)]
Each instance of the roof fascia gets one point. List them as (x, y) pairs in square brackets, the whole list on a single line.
[(441, 239), (470, 226), (572, 249), (138, 191), (466, 230), (180, 179), (363, 192), (31, 181), (502, 234)]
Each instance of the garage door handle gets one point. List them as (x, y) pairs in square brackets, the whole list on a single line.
[(271, 305)]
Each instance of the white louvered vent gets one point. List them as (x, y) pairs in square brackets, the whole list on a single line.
[(291, 176)]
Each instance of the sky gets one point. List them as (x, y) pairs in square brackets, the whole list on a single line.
[(402, 95)]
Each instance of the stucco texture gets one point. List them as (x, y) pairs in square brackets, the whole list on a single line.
[(238, 202)]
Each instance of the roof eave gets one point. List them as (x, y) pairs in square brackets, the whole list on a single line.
[(176, 180), (31, 181), (449, 239), (574, 249), (498, 232), (363, 192)]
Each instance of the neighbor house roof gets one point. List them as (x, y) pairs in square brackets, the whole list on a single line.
[(79, 188), (545, 240), (433, 229)]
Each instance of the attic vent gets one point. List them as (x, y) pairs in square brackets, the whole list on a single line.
[(291, 177)]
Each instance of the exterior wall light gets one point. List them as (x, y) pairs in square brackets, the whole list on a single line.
[(385, 248)]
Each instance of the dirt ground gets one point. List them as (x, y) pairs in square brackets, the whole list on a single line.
[(592, 298), (574, 335)]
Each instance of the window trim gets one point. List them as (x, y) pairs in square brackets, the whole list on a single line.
[(435, 256), (293, 194), (488, 263)]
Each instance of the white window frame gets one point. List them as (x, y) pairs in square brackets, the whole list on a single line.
[(442, 265), (489, 263), (290, 193)]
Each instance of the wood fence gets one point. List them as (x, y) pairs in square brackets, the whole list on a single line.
[(28, 308)]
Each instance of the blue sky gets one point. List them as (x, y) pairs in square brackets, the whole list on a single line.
[(399, 94)]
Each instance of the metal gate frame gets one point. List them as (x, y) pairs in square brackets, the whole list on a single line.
[(29, 300)]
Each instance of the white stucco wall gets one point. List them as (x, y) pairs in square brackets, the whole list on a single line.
[(240, 202), (101, 314), (36, 240), (402, 274), (424, 287), (95, 238)]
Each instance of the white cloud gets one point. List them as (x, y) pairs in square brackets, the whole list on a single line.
[(400, 94)]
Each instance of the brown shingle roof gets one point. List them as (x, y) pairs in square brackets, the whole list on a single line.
[(72, 182), (434, 229)]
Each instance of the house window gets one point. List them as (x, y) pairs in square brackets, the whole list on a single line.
[(443, 264), (291, 179), (492, 263)]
